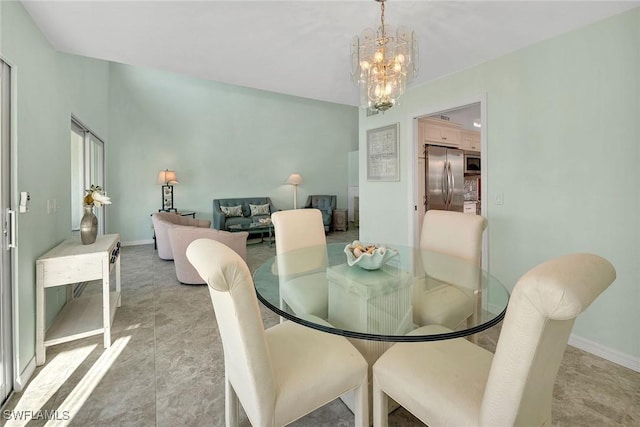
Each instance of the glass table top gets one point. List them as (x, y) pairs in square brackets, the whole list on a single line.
[(317, 287)]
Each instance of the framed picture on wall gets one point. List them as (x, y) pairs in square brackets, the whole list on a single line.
[(383, 162)]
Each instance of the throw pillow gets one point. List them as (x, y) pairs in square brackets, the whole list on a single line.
[(230, 211), (259, 209)]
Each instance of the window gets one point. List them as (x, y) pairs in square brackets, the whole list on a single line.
[(87, 168)]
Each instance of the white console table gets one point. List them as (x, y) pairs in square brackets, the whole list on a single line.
[(72, 262)]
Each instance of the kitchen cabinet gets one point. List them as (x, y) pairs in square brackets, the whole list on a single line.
[(440, 132), (470, 140)]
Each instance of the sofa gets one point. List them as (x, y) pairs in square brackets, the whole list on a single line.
[(326, 204), (242, 215), (181, 237), (162, 221)]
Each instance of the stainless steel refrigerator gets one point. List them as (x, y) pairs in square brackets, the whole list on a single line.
[(444, 178)]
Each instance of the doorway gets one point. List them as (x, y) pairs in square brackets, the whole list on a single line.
[(7, 218), (458, 130)]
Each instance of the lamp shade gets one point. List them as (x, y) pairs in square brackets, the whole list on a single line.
[(167, 177), (294, 179)]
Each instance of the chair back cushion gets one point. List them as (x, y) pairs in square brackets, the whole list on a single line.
[(535, 332), (246, 358), (453, 233), (296, 230)]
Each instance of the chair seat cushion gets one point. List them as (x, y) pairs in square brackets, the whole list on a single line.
[(307, 294), (440, 382), (444, 305), (301, 358)]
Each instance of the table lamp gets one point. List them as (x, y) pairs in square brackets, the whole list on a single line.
[(167, 179), (294, 179)]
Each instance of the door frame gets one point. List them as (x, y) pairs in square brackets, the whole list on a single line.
[(412, 161), (12, 381)]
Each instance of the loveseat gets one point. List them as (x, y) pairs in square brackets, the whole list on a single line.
[(238, 211)]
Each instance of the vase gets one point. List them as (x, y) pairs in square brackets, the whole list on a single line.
[(88, 226)]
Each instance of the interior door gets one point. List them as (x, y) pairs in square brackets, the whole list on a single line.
[(7, 218)]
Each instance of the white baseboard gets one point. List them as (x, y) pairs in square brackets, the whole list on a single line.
[(607, 353), (23, 378), (596, 349), (137, 242)]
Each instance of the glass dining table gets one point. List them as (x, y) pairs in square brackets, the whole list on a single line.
[(413, 295), (317, 287)]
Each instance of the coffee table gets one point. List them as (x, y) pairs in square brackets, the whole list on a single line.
[(255, 228)]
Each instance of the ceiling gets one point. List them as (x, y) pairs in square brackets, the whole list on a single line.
[(301, 48)]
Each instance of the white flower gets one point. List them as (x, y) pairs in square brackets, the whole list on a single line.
[(100, 199), (95, 197)]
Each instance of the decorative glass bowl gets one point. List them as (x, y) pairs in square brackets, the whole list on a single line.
[(368, 257)]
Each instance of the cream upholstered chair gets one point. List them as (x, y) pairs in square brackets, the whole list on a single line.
[(458, 236), (302, 274), (162, 221), (280, 374), (456, 383), (181, 236)]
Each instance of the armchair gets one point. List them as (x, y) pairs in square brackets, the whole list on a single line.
[(326, 205), (180, 237), (163, 221)]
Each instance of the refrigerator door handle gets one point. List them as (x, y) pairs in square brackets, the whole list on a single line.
[(448, 185), (445, 185), (452, 185)]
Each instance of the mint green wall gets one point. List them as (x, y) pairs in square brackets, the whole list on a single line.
[(222, 141), (562, 125), (49, 87)]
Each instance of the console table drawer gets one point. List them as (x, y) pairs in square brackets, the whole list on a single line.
[(63, 271)]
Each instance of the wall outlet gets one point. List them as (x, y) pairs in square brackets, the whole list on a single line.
[(499, 198)]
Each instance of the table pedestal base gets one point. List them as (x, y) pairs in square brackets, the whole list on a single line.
[(371, 350)]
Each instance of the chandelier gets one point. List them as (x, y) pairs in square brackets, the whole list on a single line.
[(382, 62)]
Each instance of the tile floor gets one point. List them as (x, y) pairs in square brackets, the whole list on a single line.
[(165, 366)]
